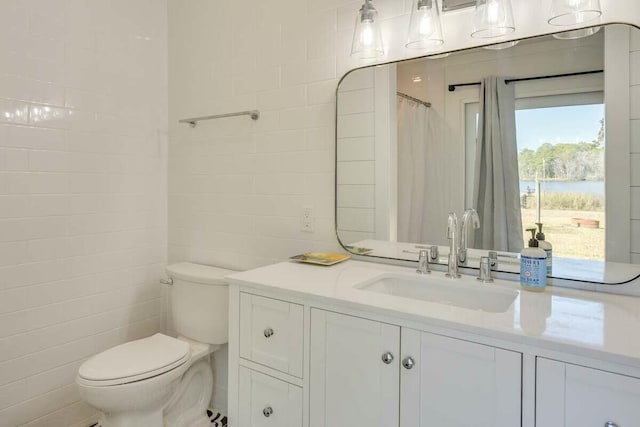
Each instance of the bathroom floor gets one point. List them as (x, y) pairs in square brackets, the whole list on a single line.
[(217, 419)]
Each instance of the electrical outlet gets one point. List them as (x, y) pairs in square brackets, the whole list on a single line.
[(308, 219)]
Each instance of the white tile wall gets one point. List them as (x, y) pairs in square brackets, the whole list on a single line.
[(356, 148), (634, 94), (83, 116)]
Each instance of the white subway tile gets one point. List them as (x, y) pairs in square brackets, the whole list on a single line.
[(356, 196), (356, 101), (352, 149), (322, 92), (357, 172), (635, 136), (13, 159), (35, 138), (634, 71), (635, 169), (351, 219), (356, 125), (282, 98), (634, 94)]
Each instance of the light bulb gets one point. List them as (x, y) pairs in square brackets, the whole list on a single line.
[(426, 23), (366, 36), (493, 12)]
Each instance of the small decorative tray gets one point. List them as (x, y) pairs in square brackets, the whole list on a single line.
[(320, 258)]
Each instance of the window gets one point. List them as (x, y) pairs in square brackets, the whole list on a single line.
[(561, 150)]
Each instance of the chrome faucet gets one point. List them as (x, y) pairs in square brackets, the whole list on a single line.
[(469, 215), (452, 235)]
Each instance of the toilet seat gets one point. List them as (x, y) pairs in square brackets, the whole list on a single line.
[(134, 361)]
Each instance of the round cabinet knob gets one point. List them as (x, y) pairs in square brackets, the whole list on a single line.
[(268, 333), (267, 412), (610, 424), (387, 358), (408, 362)]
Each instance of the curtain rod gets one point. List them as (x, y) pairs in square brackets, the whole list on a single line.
[(411, 98), (452, 88)]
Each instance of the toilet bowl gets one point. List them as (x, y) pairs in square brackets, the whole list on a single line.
[(160, 380)]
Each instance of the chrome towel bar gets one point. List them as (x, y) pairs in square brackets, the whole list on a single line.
[(254, 114)]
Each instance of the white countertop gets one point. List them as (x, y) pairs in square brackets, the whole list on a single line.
[(584, 270), (590, 324)]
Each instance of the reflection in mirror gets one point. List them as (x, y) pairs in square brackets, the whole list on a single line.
[(516, 134)]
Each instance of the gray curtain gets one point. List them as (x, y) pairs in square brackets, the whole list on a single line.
[(496, 192), (416, 143)]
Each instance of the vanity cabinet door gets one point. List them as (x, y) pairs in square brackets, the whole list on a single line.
[(354, 372), (271, 333), (448, 382), (574, 396), (265, 401)]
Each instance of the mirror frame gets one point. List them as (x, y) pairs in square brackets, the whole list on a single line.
[(617, 270)]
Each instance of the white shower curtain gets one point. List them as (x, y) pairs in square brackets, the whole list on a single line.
[(496, 191), (415, 139)]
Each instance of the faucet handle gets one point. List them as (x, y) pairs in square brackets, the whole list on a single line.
[(485, 270), (423, 262), (493, 260), (433, 253)]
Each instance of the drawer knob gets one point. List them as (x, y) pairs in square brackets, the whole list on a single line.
[(267, 412), (610, 424), (387, 358), (408, 362), (268, 333)]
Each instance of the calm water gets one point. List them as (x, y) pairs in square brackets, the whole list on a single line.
[(588, 187)]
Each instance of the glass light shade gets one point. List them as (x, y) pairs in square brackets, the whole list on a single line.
[(425, 28), (493, 18), (367, 37), (572, 12), (500, 46), (577, 34)]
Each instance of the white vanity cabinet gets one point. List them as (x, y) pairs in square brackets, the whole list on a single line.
[(354, 371), (575, 396), (368, 374), (452, 382), (268, 402), (309, 349)]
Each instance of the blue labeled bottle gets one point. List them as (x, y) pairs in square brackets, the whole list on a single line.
[(533, 265)]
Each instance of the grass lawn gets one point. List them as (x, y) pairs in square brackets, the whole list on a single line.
[(567, 239)]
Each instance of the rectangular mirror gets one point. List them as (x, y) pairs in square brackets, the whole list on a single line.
[(529, 134)]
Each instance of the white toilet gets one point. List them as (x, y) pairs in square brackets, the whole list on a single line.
[(164, 381)]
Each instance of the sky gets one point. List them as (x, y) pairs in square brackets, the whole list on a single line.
[(558, 124)]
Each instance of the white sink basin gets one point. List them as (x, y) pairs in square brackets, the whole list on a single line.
[(459, 293)]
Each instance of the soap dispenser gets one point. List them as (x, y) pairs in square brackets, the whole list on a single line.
[(545, 245), (533, 265)]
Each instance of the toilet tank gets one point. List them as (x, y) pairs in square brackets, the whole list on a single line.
[(200, 302)]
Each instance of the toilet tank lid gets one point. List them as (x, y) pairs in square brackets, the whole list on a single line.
[(198, 273)]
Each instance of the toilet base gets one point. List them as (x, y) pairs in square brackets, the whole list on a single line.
[(190, 402)]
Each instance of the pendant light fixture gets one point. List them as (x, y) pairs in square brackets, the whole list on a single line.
[(367, 37), (425, 29), (577, 34), (493, 18), (500, 46), (573, 12)]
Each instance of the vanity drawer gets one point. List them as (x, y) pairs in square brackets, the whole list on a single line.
[(271, 333), (265, 401)]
